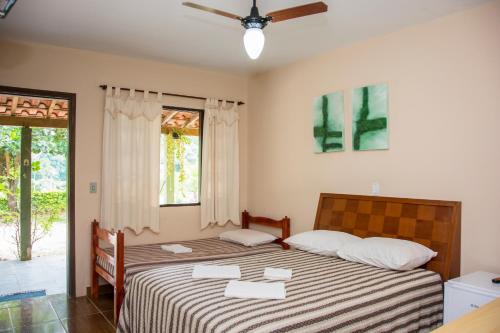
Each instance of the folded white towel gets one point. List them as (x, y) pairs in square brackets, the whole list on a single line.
[(176, 248), (277, 273), (258, 290), (216, 272)]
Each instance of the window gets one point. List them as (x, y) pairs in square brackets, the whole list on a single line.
[(180, 151)]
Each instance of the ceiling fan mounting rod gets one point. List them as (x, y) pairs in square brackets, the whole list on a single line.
[(254, 20), (254, 12)]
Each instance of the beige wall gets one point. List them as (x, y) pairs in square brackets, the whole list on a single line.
[(444, 83), (81, 72), (444, 95)]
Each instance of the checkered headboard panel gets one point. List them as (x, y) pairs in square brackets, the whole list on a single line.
[(435, 224)]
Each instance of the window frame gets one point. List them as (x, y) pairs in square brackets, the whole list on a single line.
[(202, 118)]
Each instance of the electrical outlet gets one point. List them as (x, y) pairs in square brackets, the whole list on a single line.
[(375, 188), (93, 187)]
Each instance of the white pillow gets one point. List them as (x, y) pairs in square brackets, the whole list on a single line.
[(247, 237), (391, 253), (324, 242)]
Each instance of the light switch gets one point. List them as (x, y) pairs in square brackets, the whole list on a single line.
[(93, 187), (375, 188)]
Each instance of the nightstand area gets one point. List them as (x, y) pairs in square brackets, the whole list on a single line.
[(467, 293)]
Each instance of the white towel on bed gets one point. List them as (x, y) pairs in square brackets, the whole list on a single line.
[(176, 248), (277, 273), (216, 272), (255, 290)]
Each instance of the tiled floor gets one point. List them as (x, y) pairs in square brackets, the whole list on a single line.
[(57, 314), (47, 273)]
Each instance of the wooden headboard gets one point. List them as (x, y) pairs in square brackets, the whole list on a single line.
[(283, 224), (433, 223)]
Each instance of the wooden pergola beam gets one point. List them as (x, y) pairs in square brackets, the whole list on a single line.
[(30, 108), (192, 121), (169, 117), (51, 108), (33, 122), (13, 107), (187, 131)]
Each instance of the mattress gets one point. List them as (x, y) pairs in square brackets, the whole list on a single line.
[(139, 258), (326, 294)]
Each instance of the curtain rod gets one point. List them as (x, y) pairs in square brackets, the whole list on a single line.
[(104, 87)]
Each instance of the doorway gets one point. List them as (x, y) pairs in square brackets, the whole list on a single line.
[(37, 168)]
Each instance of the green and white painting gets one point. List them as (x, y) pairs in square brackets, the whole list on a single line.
[(369, 118), (329, 123)]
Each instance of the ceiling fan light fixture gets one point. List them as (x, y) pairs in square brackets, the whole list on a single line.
[(254, 41), (254, 38)]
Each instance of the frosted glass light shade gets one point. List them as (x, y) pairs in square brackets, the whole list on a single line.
[(254, 42)]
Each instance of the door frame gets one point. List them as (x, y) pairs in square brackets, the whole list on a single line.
[(71, 98)]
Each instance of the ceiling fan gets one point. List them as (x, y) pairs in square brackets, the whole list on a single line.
[(254, 23)]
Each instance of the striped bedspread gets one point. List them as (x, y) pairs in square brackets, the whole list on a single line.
[(139, 258), (325, 295)]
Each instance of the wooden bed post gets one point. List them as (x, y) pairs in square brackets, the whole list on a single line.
[(285, 232), (119, 272), (94, 287), (244, 220)]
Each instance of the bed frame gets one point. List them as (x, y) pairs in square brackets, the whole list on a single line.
[(117, 240), (283, 224), (433, 223)]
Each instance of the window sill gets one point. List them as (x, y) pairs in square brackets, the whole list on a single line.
[(180, 205)]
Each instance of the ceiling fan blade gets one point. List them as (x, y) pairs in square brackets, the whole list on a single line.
[(299, 11), (211, 10)]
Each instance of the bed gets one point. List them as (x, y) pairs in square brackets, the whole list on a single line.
[(325, 294), (119, 263)]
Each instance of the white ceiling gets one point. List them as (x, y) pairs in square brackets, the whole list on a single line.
[(167, 31)]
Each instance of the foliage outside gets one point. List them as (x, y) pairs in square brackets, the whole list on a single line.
[(49, 198), (179, 168)]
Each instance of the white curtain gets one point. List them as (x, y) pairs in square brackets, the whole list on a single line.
[(131, 161), (220, 165)]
